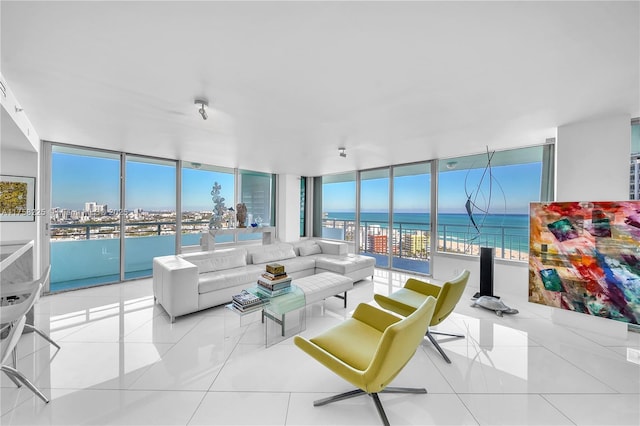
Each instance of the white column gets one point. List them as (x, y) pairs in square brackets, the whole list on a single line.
[(288, 220), (592, 159)]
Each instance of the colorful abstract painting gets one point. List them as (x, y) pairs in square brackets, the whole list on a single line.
[(585, 257)]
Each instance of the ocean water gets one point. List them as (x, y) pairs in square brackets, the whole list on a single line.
[(516, 221)]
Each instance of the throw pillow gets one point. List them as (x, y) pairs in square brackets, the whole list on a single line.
[(218, 261), (273, 253), (309, 249)]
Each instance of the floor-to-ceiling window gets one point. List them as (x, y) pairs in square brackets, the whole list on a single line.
[(393, 213), (374, 215), (113, 212), (483, 200), (257, 194), (335, 206), (411, 217), (85, 241), (634, 168), (303, 206), (85, 219), (150, 220), (205, 189)]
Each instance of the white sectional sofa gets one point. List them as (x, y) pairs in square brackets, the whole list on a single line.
[(191, 282)]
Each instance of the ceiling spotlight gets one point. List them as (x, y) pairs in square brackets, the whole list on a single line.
[(202, 104), (452, 165), (343, 152)]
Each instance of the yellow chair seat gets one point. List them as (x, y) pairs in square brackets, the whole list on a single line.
[(404, 301), (407, 299), (370, 349), (352, 342)]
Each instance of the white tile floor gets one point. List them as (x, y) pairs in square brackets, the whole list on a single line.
[(123, 362)]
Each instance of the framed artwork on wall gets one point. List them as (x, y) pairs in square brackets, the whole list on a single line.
[(17, 198), (585, 257)]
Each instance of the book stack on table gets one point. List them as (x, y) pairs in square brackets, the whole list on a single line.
[(245, 301), (274, 281)]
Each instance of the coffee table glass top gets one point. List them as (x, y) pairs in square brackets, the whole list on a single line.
[(281, 304)]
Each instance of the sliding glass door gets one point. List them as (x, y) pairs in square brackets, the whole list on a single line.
[(150, 219), (411, 219), (374, 215), (206, 188), (85, 218)]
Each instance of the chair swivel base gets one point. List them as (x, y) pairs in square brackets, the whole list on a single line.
[(437, 345), (376, 399), (17, 378)]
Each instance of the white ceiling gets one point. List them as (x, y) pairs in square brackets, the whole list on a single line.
[(290, 82)]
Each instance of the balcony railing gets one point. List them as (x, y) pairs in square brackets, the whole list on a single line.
[(510, 242), (413, 240), (85, 254)]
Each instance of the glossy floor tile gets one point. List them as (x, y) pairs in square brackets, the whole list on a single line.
[(123, 362)]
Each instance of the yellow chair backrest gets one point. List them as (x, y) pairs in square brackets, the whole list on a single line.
[(449, 296), (397, 346)]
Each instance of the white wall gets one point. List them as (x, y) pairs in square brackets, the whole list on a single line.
[(593, 160), (19, 148), (288, 219)]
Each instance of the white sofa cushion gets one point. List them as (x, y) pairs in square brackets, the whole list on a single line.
[(343, 264), (297, 244), (297, 264), (218, 260), (214, 281), (332, 247), (309, 249), (271, 253), (320, 286)]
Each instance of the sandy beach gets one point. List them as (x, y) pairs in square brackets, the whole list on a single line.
[(454, 246)]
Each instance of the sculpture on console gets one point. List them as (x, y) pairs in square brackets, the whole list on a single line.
[(218, 207), (241, 214)]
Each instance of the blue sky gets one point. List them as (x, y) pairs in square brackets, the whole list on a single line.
[(79, 179), (520, 183)]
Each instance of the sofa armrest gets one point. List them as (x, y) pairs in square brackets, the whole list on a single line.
[(333, 247), (175, 285)]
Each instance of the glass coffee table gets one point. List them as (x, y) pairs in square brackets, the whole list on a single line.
[(279, 311)]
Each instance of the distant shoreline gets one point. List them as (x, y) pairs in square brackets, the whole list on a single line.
[(473, 249)]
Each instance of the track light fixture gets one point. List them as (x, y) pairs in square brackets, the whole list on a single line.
[(202, 104), (342, 152)]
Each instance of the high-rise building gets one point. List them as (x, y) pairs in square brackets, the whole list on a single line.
[(377, 243), (90, 206), (415, 244)]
